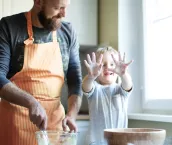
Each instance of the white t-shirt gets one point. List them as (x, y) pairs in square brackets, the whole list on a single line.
[(107, 109)]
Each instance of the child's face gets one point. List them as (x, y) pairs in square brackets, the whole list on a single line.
[(107, 77)]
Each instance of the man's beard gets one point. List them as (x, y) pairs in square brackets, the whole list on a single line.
[(50, 24)]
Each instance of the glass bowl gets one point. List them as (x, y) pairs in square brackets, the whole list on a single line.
[(56, 138)]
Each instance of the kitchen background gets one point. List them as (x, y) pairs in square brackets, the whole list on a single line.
[(106, 22)]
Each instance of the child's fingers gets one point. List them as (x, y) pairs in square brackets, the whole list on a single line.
[(119, 55), (89, 59), (100, 67), (93, 57), (129, 62), (124, 58), (100, 59), (114, 59), (86, 64)]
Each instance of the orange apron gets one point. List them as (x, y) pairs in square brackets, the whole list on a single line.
[(42, 76)]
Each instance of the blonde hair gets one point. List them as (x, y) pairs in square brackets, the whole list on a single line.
[(103, 50)]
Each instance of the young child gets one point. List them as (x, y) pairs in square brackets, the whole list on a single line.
[(107, 100)]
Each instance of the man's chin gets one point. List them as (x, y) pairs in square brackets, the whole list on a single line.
[(52, 25), (53, 28), (57, 23)]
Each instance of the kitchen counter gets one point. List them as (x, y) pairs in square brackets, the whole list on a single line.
[(82, 117), (168, 140), (83, 121)]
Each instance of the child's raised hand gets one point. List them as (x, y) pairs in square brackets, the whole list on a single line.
[(121, 66), (94, 67)]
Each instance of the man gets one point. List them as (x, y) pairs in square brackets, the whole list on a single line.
[(37, 52)]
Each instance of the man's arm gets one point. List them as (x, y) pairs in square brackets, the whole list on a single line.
[(74, 82), (13, 94), (74, 76), (74, 104)]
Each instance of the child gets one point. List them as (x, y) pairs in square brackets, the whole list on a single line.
[(107, 100)]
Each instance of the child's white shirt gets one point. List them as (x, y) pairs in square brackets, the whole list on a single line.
[(107, 109)]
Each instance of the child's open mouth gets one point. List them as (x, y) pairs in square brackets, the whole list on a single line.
[(108, 73)]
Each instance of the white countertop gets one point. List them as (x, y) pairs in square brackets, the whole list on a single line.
[(82, 117)]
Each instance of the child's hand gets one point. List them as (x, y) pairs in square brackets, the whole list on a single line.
[(94, 67), (121, 66)]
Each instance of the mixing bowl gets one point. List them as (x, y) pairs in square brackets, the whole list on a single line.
[(56, 138), (135, 136)]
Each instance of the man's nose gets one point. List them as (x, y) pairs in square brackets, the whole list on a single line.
[(63, 12)]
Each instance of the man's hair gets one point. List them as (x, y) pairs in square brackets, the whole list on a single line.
[(102, 50)]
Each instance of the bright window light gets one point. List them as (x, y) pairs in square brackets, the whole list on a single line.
[(157, 49)]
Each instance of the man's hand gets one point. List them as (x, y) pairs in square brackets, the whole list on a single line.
[(94, 67), (69, 123), (38, 116)]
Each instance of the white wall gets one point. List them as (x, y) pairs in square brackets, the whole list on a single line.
[(0, 8), (8, 7)]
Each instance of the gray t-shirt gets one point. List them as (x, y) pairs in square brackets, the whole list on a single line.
[(107, 109)]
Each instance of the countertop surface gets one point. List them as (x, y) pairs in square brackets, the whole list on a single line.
[(82, 117), (168, 140)]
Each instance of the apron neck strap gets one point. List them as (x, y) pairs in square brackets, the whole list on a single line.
[(29, 25), (54, 35)]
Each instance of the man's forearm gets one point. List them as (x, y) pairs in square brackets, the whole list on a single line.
[(74, 104), (15, 95)]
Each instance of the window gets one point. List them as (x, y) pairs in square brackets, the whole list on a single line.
[(157, 20)]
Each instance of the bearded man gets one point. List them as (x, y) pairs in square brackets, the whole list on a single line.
[(38, 51)]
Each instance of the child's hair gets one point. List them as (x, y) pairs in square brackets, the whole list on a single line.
[(102, 50)]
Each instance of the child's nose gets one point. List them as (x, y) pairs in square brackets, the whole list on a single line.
[(109, 66)]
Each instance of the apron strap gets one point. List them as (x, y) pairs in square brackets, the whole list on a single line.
[(30, 40), (54, 35), (29, 25)]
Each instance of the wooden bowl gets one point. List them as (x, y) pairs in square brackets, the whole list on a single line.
[(135, 136)]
